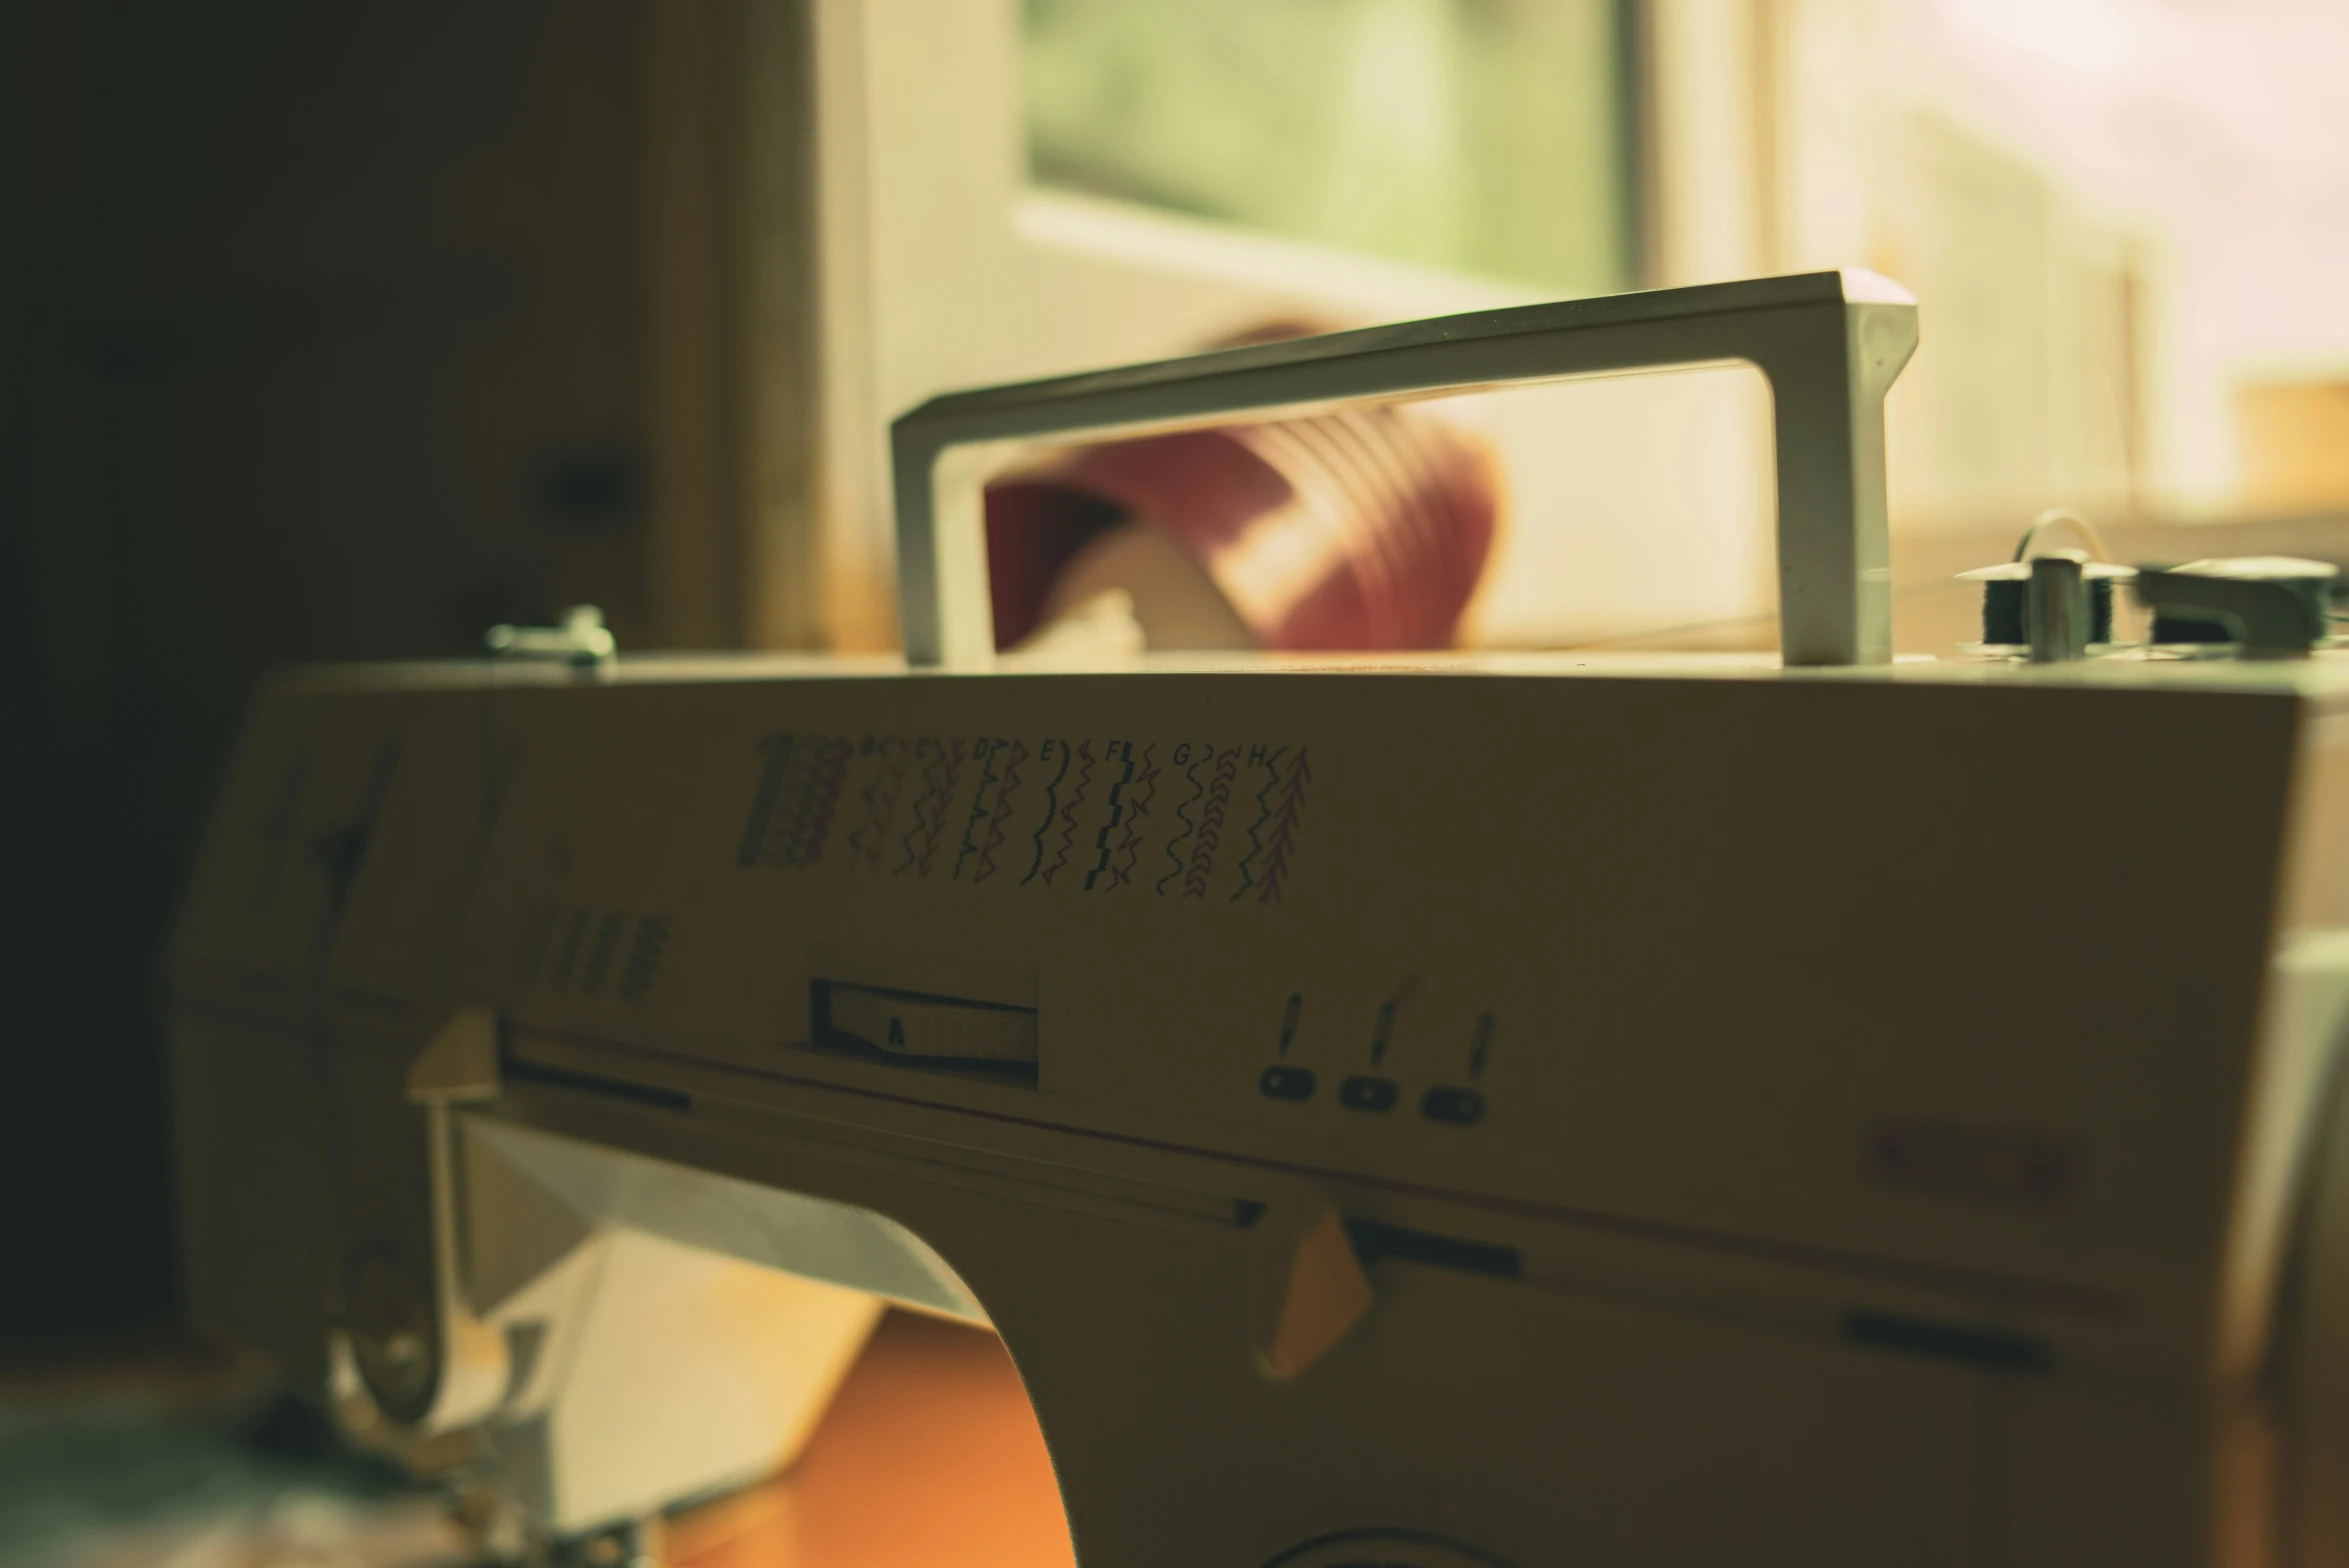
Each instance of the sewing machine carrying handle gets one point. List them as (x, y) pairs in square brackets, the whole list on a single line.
[(1829, 343)]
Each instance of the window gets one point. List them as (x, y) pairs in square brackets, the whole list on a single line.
[(1016, 188), (1480, 136)]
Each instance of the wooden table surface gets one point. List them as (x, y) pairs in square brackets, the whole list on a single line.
[(929, 1458)]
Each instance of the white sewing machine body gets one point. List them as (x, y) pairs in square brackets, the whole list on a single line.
[(1875, 1144), (1825, 1116)]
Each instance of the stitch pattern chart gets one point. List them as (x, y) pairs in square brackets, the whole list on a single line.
[(1269, 759), (1120, 755), (800, 778), (1129, 847), (1193, 761), (818, 796), (1280, 806), (879, 796), (942, 767), (1004, 795), (946, 808), (1205, 842), (981, 802), (772, 771), (1068, 813), (1046, 753)]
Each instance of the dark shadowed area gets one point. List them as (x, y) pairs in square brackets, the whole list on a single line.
[(324, 339)]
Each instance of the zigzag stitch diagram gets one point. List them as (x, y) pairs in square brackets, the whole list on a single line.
[(1130, 846), (1174, 861), (1219, 793), (1068, 813), (1271, 763), (1003, 798), (1284, 830), (880, 799), (987, 751), (1117, 812), (1051, 799)]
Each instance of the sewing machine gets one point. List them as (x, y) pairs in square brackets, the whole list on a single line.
[(1431, 1110)]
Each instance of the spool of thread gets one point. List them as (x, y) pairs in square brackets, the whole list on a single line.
[(2006, 600), (1365, 527)]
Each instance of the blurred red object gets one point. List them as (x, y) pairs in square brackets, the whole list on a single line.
[(930, 1457), (1366, 528)]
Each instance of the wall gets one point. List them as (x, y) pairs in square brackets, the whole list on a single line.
[(329, 335)]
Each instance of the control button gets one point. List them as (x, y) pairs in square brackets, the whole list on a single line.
[(1287, 1083), (1362, 1093), (1461, 1106)]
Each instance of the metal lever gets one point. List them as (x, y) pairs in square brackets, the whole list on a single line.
[(582, 641), (1829, 343)]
